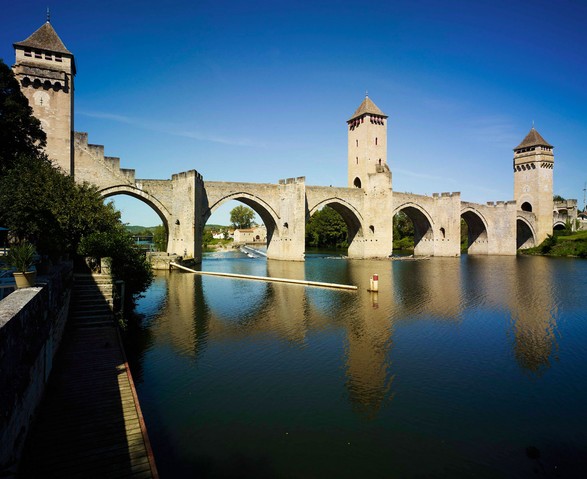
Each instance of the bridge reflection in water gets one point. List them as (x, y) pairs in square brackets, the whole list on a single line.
[(441, 340)]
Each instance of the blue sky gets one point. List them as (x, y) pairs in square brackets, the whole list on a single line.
[(258, 91)]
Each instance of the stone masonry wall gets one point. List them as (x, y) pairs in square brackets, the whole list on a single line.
[(32, 321)]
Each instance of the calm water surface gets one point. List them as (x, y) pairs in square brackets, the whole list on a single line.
[(470, 367)]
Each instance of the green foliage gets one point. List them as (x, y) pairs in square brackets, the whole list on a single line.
[(241, 217), (128, 263), (464, 236), (20, 131), (548, 244), (39, 204), (403, 232), (207, 237), (406, 243), (21, 256), (558, 198), (160, 238), (326, 228), (574, 244)]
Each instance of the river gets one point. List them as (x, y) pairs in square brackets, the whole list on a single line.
[(458, 367)]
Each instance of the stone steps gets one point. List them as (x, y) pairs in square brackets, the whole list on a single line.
[(92, 301)]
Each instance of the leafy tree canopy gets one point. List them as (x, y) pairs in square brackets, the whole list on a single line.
[(160, 238), (241, 217), (326, 228), (20, 131), (47, 208)]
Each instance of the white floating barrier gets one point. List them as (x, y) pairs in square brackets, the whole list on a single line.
[(315, 284)]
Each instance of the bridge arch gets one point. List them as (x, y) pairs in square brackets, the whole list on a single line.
[(477, 231), (423, 227), (559, 225), (525, 234), (351, 216), (265, 211), (143, 196)]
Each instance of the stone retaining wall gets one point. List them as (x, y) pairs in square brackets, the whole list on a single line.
[(32, 321)]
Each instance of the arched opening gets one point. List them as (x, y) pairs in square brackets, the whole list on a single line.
[(524, 235), (559, 226), (333, 226), (236, 221), (412, 231), (526, 206), (473, 233), (357, 182), (147, 226)]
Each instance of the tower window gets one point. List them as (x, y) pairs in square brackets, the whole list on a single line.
[(357, 182), (48, 56), (357, 160), (38, 55), (375, 141), (28, 53), (57, 58), (526, 206), (357, 142)]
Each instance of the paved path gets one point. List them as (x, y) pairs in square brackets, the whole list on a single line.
[(89, 424)]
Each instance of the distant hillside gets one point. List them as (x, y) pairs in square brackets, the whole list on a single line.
[(135, 229)]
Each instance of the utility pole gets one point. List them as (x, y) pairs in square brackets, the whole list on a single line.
[(584, 197)]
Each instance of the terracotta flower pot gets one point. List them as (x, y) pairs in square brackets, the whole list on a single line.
[(25, 280)]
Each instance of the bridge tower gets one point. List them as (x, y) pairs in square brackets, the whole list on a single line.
[(368, 170), (533, 180), (45, 69), (367, 144)]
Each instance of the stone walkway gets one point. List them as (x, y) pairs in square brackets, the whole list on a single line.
[(90, 423)]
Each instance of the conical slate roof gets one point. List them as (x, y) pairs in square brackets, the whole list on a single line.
[(45, 38), (367, 107), (533, 139)]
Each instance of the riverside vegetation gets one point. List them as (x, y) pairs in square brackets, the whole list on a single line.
[(562, 243), (44, 207)]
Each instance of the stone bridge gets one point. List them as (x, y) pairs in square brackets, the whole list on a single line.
[(185, 202), (45, 70)]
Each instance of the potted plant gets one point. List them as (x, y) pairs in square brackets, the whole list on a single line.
[(21, 256)]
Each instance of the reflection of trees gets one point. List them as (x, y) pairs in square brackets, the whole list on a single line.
[(442, 288), (139, 336)]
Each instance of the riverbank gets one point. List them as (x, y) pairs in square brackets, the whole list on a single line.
[(561, 245)]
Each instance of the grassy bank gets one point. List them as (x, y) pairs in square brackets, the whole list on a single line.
[(562, 244)]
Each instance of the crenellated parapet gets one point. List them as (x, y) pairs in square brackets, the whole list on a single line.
[(92, 166)]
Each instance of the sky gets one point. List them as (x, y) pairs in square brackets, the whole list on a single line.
[(257, 91)]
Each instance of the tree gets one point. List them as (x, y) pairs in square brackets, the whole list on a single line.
[(41, 205), (558, 198), (160, 238), (20, 131), (49, 209), (326, 228), (241, 217), (127, 262)]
